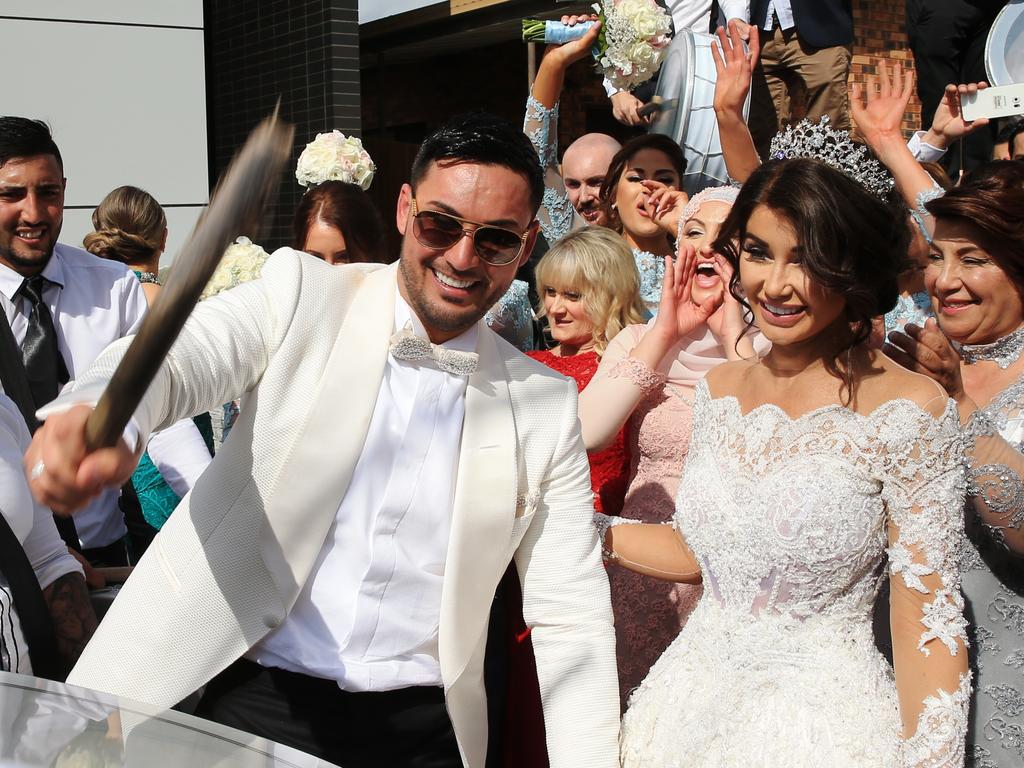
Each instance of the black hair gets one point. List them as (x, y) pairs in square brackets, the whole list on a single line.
[(1008, 131), (610, 185), (480, 137), (854, 242), (22, 137)]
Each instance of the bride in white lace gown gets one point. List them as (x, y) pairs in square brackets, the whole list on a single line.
[(807, 469)]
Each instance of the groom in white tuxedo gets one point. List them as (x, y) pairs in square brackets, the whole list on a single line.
[(329, 577)]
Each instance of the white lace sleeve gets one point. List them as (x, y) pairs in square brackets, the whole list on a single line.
[(924, 494), (557, 216)]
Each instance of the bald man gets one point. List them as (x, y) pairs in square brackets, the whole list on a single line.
[(584, 165)]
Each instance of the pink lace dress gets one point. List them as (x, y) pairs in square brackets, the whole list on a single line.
[(649, 613)]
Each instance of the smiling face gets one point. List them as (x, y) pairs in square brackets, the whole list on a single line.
[(568, 318), (326, 242), (584, 167), (974, 299), (31, 212), (789, 306), (630, 194), (450, 290), (700, 231)]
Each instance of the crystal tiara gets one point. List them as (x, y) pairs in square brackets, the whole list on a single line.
[(834, 148)]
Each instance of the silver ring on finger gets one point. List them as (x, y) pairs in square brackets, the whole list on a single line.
[(37, 470)]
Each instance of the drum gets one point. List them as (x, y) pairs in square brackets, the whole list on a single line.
[(686, 89), (1004, 49)]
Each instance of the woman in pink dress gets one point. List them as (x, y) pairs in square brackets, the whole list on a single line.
[(645, 383)]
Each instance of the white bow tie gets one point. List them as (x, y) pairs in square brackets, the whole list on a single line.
[(406, 345)]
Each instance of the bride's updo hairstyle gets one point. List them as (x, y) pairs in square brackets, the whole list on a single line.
[(855, 243), (130, 226)]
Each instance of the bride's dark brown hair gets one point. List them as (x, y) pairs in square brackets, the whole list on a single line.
[(854, 243)]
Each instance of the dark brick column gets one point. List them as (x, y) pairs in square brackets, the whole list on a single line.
[(305, 52)]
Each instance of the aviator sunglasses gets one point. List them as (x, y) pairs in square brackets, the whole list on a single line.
[(440, 231)]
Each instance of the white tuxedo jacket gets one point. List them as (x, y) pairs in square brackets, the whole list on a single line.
[(308, 344)]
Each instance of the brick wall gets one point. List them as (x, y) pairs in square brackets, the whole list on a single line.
[(305, 52), (879, 30)]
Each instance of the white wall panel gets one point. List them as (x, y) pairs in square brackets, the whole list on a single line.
[(186, 13), (371, 10), (127, 105)]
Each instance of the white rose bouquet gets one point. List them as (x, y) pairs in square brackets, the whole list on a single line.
[(634, 37), (335, 157), (242, 261)]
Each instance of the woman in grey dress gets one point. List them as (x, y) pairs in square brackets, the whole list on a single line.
[(975, 276)]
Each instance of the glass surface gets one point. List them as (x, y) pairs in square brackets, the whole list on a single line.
[(46, 724)]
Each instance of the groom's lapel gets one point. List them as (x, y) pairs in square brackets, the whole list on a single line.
[(316, 475), (483, 511)]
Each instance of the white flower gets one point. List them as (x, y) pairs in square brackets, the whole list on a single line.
[(242, 261), (335, 157), (637, 33)]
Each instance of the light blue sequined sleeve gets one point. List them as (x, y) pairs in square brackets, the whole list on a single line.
[(557, 216), (922, 218), (512, 316)]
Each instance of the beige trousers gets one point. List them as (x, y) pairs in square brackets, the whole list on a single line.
[(794, 81)]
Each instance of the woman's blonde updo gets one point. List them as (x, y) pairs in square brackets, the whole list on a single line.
[(596, 263), (130, 227)]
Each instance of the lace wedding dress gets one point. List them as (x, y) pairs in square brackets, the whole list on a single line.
[(791, 521)]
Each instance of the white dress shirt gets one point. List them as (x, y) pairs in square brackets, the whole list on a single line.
[(368, 615), (33, 526), (94, 302), (922, 150), (784, 10)]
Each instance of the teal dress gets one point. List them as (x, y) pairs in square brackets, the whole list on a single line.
[(156, 498)]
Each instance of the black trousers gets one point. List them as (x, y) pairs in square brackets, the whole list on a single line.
[(947, 38), (407, 728)]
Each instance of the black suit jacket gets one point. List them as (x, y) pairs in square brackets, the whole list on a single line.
[(819, 23)]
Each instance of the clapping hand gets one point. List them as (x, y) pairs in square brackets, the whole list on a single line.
[(664, 204), (734, 67), (949, 125), (928, 351), (678, 315), (881, 117)]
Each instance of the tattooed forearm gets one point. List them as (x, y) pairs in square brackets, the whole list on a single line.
[(73, 618)]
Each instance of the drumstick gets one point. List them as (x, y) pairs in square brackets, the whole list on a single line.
[(236, 207)]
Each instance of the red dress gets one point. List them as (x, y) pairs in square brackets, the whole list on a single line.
[(524, 742)]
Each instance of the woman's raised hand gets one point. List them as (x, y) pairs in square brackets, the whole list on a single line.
[(949, 125), (678, 315), (575, 50), (727, 321), (734, 67), (880, 116), (664, 204)]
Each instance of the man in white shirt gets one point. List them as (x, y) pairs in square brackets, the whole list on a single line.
[(83, 303), (334, 568)]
